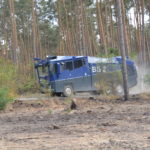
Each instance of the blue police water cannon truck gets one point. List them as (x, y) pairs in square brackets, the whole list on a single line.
[(69, 74)]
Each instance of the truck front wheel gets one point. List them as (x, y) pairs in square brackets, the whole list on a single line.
[(68, 91)]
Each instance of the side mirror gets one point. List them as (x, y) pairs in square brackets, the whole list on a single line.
[(58, 68)]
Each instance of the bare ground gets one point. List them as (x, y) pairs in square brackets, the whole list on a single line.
[(96, 124)]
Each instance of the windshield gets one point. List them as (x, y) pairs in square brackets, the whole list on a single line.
[(43, 71), (53, 68)]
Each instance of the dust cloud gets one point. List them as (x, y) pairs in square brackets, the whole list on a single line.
[(141, 86)]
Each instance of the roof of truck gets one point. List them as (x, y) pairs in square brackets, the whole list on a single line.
[(59, 58), (102, 60), (90, 59)]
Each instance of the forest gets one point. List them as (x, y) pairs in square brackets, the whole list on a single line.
[(37, 28), (81, 108)]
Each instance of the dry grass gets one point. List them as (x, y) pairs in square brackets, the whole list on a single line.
[(145, 96)]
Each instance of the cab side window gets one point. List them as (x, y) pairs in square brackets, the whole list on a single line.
[(113, 67), (79, 63), (53, 68), (67, 66)]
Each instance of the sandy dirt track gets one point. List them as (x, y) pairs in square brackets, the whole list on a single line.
[(96, 124)]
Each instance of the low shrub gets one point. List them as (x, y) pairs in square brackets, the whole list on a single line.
[(8, 75), (5, 98), (26, 84), (15, 80), (107, 82), (112, 52), (18, 80)]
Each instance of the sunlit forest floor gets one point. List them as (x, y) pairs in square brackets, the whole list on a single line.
[(96, 123)]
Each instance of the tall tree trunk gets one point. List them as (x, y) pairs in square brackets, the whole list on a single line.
[(100, 26), (125, 29), (81, 27), (14, 37), (34, 30), (122, 47), (143, 34)]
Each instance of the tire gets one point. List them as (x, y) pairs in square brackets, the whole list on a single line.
[(68, 91), (58, 94)]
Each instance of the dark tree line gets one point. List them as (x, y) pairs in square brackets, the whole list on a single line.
[(36, 28)]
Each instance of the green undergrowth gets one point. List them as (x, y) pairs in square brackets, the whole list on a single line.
[(112, 52), (8, 77), (5, 98), (15, 81), (26, 84), (107, 82)]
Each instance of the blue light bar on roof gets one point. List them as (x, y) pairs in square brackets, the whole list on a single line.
[(36, 59), (51, 57)]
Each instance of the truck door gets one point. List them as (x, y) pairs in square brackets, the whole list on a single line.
[(81, 75), (87, 76), (93, 75), (43, 75)]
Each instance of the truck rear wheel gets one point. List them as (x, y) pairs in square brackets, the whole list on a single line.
[(68, 91)]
